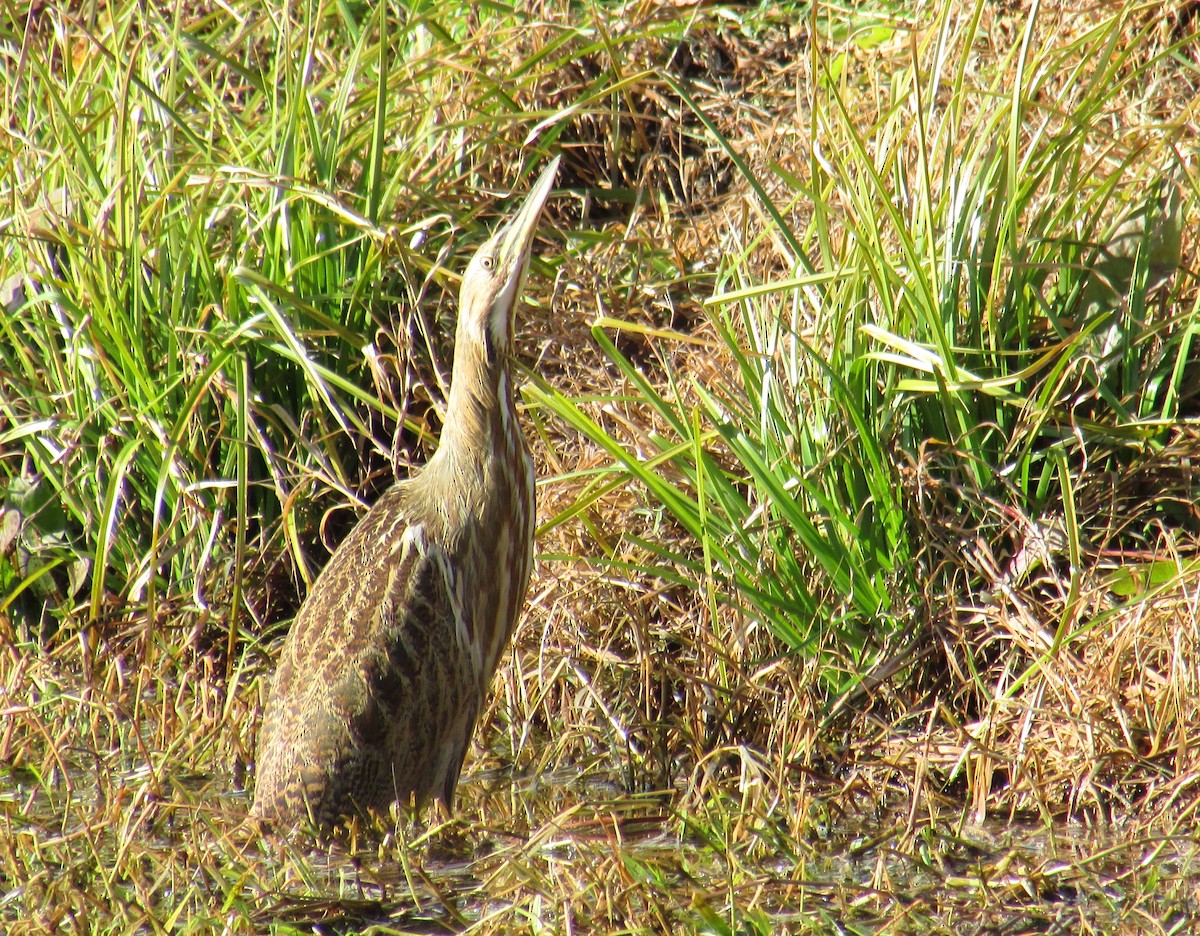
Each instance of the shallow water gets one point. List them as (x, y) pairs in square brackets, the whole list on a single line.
[(862, 864), (1051, 878)]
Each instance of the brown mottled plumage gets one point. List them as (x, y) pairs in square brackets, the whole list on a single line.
[(388, 662)]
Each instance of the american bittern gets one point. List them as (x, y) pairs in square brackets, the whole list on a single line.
[(387, 664)]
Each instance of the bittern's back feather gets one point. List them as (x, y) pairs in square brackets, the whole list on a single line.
[(387, 664)]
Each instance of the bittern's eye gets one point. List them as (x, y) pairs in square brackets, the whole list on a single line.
[(487, 262)]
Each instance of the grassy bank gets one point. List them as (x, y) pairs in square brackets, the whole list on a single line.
[(858, 363)]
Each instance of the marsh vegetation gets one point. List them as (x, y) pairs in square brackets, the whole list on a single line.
[(859, 366)]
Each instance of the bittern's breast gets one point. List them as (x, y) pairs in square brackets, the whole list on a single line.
[(503, 554)]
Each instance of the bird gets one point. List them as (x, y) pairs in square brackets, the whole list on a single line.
[(389, 659)]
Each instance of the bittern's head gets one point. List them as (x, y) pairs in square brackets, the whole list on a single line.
[(496, 273)]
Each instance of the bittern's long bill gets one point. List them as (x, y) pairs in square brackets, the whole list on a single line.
[(389, 660)]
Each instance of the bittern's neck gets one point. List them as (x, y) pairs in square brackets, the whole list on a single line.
[(479, 414)]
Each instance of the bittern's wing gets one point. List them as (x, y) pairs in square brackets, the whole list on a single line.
[(374, 672)]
